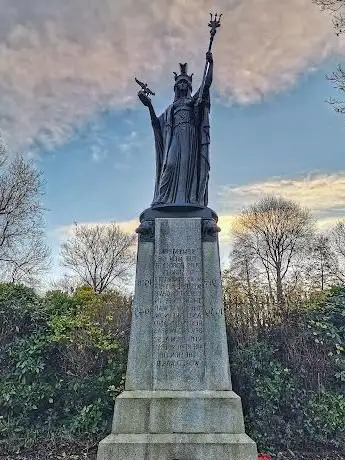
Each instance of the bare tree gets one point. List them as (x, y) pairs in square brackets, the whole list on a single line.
[(338, 80), (337, 9), (3, 151), (337, 240), (23, 253), (28, 262), (67, 284), (276, 231), (100, 255), (320, 263), (243, 268)]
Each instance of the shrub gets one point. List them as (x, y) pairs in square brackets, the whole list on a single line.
[(272, 401), (60, 365), (325, 418), (291, 376), (326, 323), (19, 312)]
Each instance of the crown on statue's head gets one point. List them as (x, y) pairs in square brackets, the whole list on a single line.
[(183, 75)]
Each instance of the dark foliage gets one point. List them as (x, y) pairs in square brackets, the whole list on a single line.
[(290, 375), (63, 358), (61, 363)]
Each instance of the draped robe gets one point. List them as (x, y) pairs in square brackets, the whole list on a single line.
[(182, 138)]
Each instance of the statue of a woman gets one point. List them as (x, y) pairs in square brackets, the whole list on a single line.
[(182, 142)]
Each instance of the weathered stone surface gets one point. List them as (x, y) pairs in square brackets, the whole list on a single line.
[(178, 411), (178, 317), (139, 366), (217, 371), (177, 447), (178, 403)]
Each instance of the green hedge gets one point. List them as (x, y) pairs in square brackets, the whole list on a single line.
[(291, 377), (59, 364), (62, 361)]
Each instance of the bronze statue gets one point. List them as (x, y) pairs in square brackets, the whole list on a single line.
[(182, 137)]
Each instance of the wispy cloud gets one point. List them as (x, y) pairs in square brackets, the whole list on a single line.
[(225, 223), (60, 62), (324, 194), (98, 154), (128, 145)]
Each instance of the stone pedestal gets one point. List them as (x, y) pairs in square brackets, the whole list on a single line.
[(178, 403)]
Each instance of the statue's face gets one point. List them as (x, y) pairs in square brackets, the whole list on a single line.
[(182, 85), (182, 88)]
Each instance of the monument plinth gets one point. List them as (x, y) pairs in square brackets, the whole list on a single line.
[(178, 402)]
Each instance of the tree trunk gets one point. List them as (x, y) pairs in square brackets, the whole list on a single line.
[(270, 290), (249, 285), (279, 287)]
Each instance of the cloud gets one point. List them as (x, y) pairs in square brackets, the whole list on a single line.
[(98, 154), (129, 226), (327, 223), (324, 194), (126, 148), (61, 62), (225, 223)]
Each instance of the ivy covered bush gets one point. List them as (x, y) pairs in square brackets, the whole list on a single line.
[(63, 357), (62, 360), (291, 377)]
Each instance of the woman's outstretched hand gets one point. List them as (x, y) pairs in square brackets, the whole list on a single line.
[(144, 99)]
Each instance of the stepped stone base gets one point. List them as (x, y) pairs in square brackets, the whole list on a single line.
[(185, 446), (178, 412), (177, 425), (178, 402)]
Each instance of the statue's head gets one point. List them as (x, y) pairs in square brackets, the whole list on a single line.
[(183, 83)]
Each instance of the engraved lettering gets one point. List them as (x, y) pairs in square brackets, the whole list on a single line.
[(178, 317)]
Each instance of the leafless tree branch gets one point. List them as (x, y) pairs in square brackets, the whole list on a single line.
[(99, 255), (272, 232), (337, 9), (23, 253)]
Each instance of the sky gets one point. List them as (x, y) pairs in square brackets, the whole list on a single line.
[(68, 100)]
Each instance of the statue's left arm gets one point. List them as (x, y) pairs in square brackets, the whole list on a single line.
[(209, 75), (205, 97)]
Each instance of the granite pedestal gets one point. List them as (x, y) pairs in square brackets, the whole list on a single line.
[(178, 401)]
